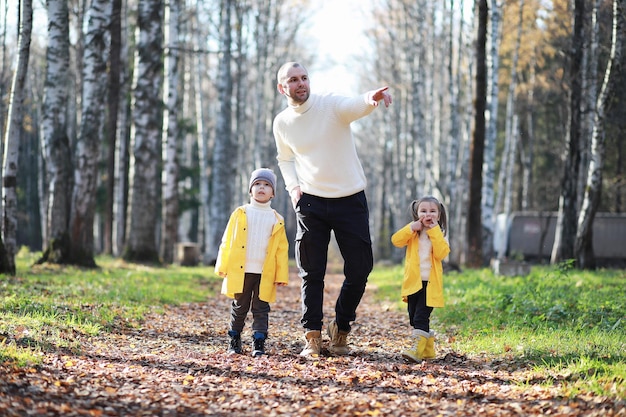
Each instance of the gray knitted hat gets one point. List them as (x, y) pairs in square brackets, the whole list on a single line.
[(263, 174)]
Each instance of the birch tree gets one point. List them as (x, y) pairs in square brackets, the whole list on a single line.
[(8, 243), (223, 170), (187, 158), (56, 148), (591, 200), (420, 160), (565, 233), (90, 135), (3, 72), (264, 39), (113, 105), (242, 99), (203, 146), (420, 146), (122, 137), (141, 243), (170, 132), (385, 168)]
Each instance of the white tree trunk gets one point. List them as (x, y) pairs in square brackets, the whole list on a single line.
[(141, 243), (188, 157), (114, 90), (223, 169), (203, 152), (55, 143), (12, 140), (90, 134), (120, 186), (454, 85), (170, 132)]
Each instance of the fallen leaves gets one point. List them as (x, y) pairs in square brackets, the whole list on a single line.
[(175, 364)]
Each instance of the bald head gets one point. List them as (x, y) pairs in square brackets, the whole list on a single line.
[(283, 72)]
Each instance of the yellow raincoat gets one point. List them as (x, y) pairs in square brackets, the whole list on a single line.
[(231, 258), (412, 281)]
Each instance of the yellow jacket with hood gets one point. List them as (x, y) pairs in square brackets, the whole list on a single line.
[(231, 258), (412, 281)]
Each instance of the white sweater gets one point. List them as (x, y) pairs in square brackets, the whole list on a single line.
[(425, 250), (315, 146), (260, 220)]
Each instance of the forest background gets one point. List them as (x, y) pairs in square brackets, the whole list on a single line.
[(132, 125)]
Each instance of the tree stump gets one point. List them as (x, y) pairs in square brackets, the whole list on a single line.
[(188, 253)]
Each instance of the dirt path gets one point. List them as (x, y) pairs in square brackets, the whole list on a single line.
[(175, 365)]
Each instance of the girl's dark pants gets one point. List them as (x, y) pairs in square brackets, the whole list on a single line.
[(348, 218), (241, 305), (419, 312)]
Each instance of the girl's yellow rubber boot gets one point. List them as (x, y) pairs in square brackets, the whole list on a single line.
[(417, 353), (429, 350)]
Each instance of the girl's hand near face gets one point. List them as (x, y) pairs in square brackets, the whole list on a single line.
[(417, 226)]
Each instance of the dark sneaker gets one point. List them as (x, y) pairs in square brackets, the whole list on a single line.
[(313, 345), (235, 342), (338, 340), (258, 344)]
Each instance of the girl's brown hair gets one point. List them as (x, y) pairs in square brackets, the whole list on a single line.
[(443, 218)]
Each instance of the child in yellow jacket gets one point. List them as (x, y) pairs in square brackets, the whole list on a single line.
[(253, 260), (422, 286)]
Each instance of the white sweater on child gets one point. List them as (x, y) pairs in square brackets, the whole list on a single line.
[(425, 250), (261, 219)]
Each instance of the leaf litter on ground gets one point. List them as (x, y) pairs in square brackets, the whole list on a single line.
[(175, 364)]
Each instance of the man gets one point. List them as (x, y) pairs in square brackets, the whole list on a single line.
[(319, 163)]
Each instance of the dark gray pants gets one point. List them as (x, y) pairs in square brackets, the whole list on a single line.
[(241, 305), (348, 218)]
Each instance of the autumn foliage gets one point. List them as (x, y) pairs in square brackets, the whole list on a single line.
[(173, 362)]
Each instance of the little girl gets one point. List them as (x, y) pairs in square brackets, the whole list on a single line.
[(422, 286)]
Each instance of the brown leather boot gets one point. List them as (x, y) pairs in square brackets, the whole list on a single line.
[(313, 345)]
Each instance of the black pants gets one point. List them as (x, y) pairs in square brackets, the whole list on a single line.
[(241, 305), (348, 218), (419, 312)]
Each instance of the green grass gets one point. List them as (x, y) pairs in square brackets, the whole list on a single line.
[(559, 321), (44, 307), (564, 324)]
